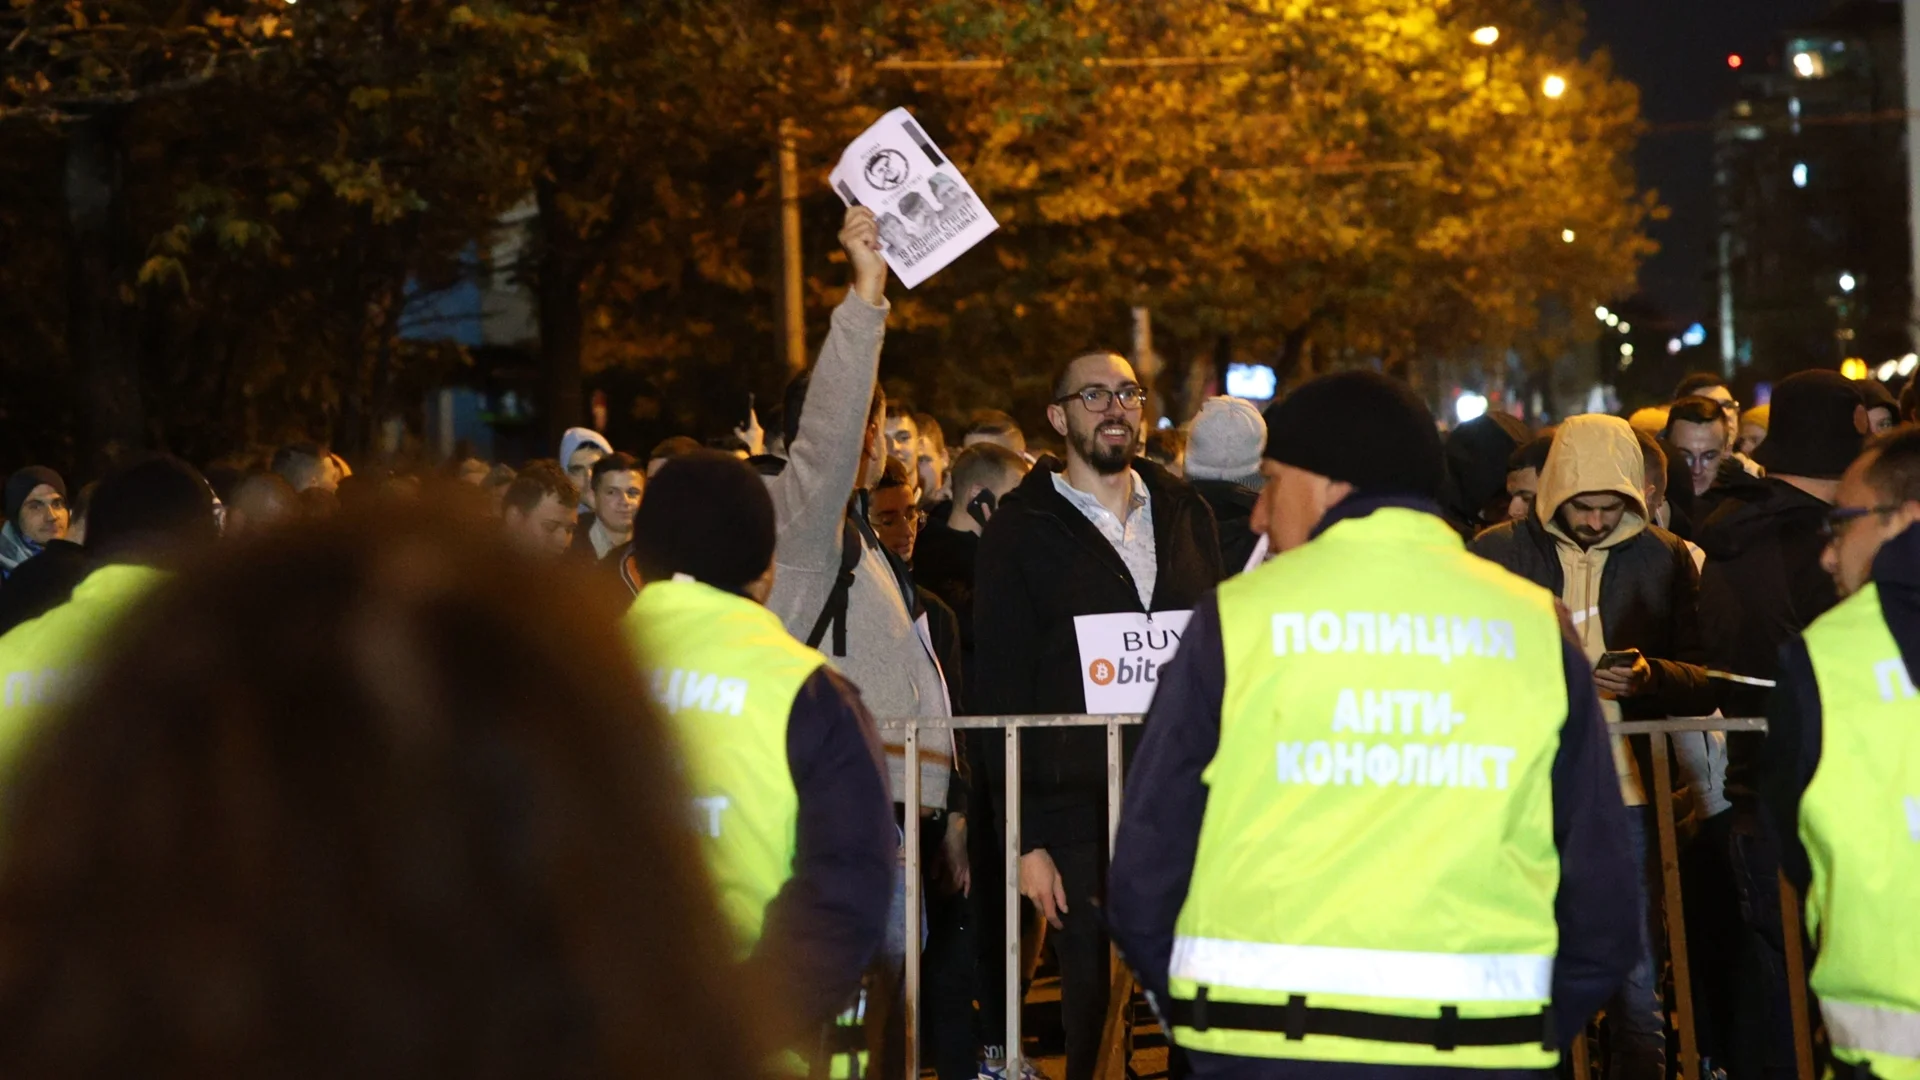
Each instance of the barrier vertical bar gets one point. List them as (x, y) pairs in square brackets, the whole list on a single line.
[(1669, 849), (1010, 953), (910, 820), (1796, 979), (1116, 1042)]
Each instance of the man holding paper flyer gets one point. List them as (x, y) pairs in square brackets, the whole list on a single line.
[(1087, 573)]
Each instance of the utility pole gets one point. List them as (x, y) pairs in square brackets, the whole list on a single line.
[(1146, 363), (793, 322)]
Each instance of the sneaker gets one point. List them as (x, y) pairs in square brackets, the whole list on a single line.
[(996, 1069)]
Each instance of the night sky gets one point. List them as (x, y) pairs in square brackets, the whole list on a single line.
[(1676, 51)]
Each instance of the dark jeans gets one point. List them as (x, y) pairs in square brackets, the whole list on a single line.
[(1739, 959), (947, 973), (1082, 949), (989, 917), (1636, 1021)]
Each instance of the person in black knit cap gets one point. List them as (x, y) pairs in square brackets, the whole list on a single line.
[(782, 757), (1268, 749)]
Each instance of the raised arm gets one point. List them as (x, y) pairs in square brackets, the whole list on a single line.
[(810, 496)]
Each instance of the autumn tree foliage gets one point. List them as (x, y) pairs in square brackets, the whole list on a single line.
[(263, 186)]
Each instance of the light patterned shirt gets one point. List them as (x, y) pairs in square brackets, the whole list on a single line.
[(1132, 539)]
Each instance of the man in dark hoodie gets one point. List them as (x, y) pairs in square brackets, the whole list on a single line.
[(1105, 532), (1478, 452), (144, 519), (37, 515), (45, 581), (1839, 766), (1762, 585), (1364, 913)]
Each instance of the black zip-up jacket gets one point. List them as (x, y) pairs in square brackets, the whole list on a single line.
[(1762, 585), (1232, 505), (1041, 564)]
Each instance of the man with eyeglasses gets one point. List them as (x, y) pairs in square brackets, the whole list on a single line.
[(1707, 384), (1761, 586), (1102, 540), (1840, 776)]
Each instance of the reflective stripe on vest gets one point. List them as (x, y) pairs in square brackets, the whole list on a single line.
[(1378, 834), (1876, 1030), (1855, 821), (724, 675), (1319, 969)]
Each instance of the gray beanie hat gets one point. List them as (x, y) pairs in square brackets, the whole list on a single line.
[(1225, 441)]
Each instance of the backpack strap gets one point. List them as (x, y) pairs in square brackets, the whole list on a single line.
[(834, 614)]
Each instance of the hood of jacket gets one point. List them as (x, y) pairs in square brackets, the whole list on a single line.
[(1594, 453), (1476, 455), (576, 437)]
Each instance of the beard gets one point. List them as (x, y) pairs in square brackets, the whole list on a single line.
[(1106, 458)]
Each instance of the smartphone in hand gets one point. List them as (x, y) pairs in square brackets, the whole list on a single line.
[(1625, 658)]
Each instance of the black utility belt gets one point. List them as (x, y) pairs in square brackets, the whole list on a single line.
[(1296, 1020)]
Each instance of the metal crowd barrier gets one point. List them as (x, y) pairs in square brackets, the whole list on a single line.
[(1667, 845), (910, 728)]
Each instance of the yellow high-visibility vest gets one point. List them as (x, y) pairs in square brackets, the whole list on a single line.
[(1378, 836), (1860, 822)]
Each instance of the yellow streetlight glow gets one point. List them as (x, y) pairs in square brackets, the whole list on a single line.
[(1486, 35), (1568, 235), (1554, 86)]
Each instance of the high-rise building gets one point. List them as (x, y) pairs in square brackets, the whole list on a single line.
[(1812, 183)]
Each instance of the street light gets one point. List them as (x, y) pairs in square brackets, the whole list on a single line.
[(1847, 282), (1568, 235), (1486, 36), (1626, 327), (1554, 87), (1601, 313)]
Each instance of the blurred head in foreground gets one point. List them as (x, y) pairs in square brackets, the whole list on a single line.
[(346, 806)]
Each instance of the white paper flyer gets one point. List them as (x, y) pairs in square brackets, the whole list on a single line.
[(928, 213)]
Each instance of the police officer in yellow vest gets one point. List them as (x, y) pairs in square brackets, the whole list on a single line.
[(144, 518), (1840, 773), (1373, 825), (786, 768)]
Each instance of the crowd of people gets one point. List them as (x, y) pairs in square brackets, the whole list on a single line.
[(574, 768)]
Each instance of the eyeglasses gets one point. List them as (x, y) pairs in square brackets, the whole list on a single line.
[(1842, 516), (1097, 398)]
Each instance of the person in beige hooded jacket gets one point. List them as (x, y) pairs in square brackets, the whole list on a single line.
[(1627, 585)]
